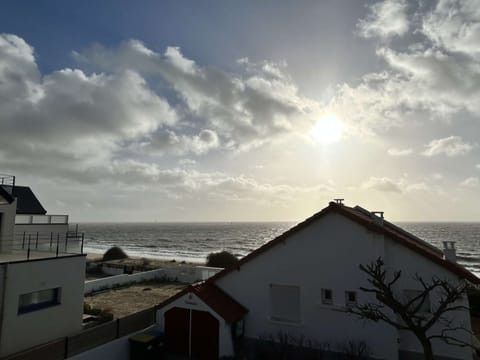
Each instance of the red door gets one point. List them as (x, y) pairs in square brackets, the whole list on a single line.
[(204, 333), (177, 323), (204, 336)]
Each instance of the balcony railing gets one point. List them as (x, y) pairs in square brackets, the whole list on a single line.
[(7, 182), (41, 219), (34, 245)]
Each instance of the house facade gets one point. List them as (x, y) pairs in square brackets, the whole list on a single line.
[(301, 284), (42, 272)]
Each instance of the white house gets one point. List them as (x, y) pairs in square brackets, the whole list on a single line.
[(301, 282), (42, 272)]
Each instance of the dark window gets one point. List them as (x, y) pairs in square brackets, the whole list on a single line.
[(350, 298), (38, 300), (327, 296)]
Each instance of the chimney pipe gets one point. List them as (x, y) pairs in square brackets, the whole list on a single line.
[(377, 217), (449, 251)]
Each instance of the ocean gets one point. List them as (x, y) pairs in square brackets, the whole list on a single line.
[(194, 241)]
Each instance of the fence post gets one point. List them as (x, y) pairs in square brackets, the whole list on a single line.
[(28, 249), (36, 242), (51, 239), (81, 248), (23, 241), (58, 242), (66, 348), (118, 329), (66, 239)]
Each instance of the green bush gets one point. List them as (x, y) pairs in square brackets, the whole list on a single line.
[(114, 253), (221, 259)]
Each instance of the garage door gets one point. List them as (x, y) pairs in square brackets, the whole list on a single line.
[(192, 330)]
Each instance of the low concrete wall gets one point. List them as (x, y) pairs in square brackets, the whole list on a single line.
[(184, 274)]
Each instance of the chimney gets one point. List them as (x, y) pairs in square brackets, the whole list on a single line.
[(449, 251), (377, 217), (339, 201)]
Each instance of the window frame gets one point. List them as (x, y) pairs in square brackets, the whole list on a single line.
[(279, 317), (32, 301), (325, 300), (348, 302)]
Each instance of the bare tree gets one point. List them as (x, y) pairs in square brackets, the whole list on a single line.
[(410, 314)]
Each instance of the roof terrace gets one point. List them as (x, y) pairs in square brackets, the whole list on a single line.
[(33, 246)]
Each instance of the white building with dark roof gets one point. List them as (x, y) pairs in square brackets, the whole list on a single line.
[(301, 283), (42, 272)]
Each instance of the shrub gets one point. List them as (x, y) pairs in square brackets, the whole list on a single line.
[(114, 253), (221, 259)]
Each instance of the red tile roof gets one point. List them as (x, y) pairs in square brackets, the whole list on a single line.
[(224, 305), (364, 218)]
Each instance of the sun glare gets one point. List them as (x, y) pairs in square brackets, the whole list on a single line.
[(328, 129)]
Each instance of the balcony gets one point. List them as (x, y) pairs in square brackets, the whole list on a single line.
[(29, 245), (7, 182), (41, 219)]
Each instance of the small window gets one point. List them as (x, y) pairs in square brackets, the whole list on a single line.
[(38, 300), (350, 298), (424, 307), (327, 296), (285, 303)]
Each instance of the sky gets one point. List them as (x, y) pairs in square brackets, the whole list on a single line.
[(242, 110)]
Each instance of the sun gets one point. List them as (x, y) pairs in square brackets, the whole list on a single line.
[(328, 129)]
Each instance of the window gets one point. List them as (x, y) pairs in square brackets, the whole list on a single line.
[(412, 294), (38, 300), (285, 303), (327, 296), (350, 298)]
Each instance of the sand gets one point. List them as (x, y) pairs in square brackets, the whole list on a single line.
[(124, 301)]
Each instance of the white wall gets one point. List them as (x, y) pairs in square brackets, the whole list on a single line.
[(22, 331), (123, 279), (7, 224), (327, 254), (193, 302), (118, 349), (411, 263), (196, 273)]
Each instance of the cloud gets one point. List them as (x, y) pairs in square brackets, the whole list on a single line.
[(386, 19), (383, 184), (433, 75), (68, 121), (168, 141), (470, 182), (449, 146), (244, 110), (399, 152), (455, 25)]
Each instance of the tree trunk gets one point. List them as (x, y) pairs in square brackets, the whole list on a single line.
[(427, 347)]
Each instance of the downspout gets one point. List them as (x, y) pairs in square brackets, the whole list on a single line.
[(2, 302)]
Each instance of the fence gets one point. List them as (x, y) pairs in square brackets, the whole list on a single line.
[(184, 274), (69, 346)]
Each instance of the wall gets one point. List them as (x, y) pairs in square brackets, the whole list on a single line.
[(193, 302), (118, 280), (327, 254), (182, 274), (7, 224), (396, 257), (21, 331)]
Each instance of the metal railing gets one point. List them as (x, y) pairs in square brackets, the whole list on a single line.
[(7, 182), (34, 245), (41, 219)]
